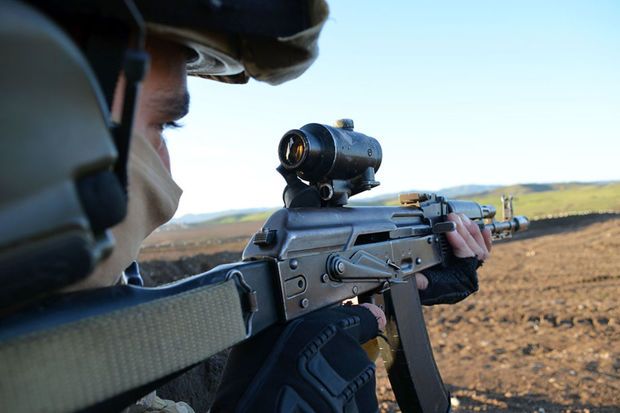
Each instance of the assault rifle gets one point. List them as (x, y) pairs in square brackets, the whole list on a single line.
[(95, 350)]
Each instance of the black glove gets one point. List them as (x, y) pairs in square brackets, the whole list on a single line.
[(312, 364), (449, 285)]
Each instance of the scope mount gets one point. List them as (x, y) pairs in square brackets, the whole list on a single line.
[(329, 193)]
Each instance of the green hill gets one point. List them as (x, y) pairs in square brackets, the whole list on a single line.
[(533, 200), (540, 201), (236, 218)]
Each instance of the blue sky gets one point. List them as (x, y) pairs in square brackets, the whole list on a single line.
[(457, 92)]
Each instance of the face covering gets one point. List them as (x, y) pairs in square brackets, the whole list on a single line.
[(153, 200)]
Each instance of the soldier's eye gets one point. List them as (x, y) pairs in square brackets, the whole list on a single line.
[(172, 125)]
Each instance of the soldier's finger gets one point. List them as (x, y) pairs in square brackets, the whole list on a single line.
[(378, 313), (474, 230), (465, 233), (460, 248), (488, 239), (459, 245), (421, 281)]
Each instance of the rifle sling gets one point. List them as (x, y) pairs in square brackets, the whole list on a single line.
[(86, 348)]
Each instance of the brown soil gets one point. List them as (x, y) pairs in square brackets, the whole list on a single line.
[(541, 335), (174, 242)]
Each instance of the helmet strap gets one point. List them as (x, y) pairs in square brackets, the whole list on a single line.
[(116, 44)]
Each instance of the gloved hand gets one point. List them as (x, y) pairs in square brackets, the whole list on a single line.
[(451, 284), (312, 364)]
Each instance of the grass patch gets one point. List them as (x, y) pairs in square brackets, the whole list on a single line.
[(532, 200), (541, 200), (237, 218), (566, 199)]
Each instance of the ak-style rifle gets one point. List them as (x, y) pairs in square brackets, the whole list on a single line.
[(95, 350)]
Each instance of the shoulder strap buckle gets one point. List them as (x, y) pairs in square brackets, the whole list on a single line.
[(249, 302)]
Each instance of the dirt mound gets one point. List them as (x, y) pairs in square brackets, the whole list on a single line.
[(157, 272), (542, 334)]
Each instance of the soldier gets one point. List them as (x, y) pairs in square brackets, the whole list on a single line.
[(75, 68)]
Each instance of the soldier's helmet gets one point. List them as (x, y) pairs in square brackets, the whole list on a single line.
[(63, 160)]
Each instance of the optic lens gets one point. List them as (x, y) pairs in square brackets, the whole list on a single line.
[(294, 150)]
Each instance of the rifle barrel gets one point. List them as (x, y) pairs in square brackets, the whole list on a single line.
[(518, 223)]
